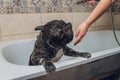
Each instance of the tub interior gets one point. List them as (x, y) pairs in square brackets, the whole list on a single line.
[(19, 52)]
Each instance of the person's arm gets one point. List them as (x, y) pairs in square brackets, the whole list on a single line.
[(96, 13)]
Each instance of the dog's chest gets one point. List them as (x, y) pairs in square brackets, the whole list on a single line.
[(58, 55)]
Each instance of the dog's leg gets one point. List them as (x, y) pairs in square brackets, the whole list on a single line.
[(35, 60), (49, 66), (70, 52)]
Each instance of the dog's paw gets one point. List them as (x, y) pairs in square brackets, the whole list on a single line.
[(85, 55), (50, 67)]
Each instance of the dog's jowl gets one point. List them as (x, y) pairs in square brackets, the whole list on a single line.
[(51, 44)]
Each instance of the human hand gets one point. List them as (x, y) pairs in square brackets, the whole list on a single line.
[(80, 33)]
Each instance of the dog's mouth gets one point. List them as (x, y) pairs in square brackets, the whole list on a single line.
[(56, 44)]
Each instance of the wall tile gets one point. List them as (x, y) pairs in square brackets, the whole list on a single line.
[(104, 20), (19, 37), (19, 23), (78, 18), (67, 17), (43, 6), (0, 34), (47, 6), (46, 17), (117, 19)]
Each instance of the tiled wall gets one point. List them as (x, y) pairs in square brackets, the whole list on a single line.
[(21, 26), (47, 6), (43, 6), (16, 24)]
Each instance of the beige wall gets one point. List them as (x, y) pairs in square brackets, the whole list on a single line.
[(21, 26)]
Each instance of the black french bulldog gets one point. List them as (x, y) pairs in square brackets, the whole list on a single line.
[(51, 45)]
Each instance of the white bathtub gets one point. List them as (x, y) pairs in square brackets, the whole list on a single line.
[(14, 56)]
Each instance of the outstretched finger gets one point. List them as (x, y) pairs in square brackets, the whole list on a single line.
[(78, 39), (77, 32)]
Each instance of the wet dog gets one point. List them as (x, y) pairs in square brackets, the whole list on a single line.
[(51, 45)]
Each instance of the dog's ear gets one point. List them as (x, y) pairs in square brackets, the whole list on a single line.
[(40, 28), (69, 24)]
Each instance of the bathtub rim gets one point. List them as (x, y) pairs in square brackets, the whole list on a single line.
[(12, 70)]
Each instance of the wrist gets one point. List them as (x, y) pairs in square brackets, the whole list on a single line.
[(86, 24)]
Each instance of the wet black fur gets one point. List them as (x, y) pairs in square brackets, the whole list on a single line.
[(53, 36)]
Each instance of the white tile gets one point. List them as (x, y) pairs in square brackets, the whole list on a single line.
[(78, 18), (46, 17), (19, 23), (117, 19), (0, 34), (67, 17), (103, 20), (20, 37)]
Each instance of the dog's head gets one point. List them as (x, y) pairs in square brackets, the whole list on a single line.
[(57, 32)]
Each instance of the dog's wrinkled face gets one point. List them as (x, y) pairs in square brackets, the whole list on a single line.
[(57, 32)]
